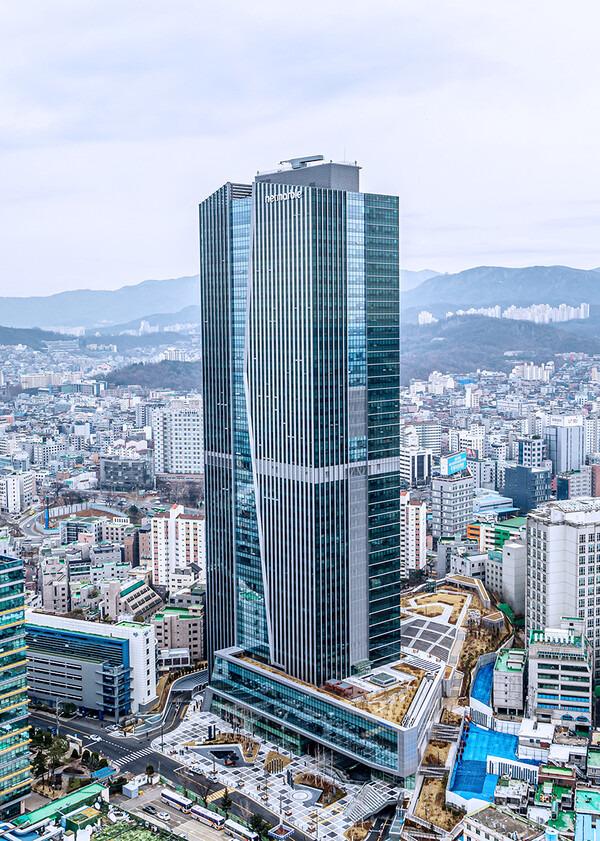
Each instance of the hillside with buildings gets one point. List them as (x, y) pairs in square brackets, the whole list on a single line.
[(471, 342)]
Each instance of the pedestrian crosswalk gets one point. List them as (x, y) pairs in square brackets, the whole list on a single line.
[(125, 760), (216, 795)]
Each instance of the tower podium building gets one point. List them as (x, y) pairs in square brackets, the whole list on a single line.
[(300, 294)]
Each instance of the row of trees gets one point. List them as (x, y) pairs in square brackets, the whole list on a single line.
[(50, 752)]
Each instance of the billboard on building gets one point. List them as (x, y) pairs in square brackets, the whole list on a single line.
[(453, 463), (566, 420)]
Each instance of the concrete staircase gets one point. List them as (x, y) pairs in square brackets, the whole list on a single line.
[(445, 732), (433, 771), (370, 800)]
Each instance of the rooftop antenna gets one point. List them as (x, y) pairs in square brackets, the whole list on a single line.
[(299, 163)]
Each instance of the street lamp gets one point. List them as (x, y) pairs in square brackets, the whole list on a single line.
[(59, 701)]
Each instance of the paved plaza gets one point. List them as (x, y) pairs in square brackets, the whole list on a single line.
[(297, 804)]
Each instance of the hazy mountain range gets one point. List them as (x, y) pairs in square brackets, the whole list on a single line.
[(486, 286), (163, 302), (96, 308), (167, 302)]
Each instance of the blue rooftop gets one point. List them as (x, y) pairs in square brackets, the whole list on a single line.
[(470, 778), (482, 686), (587, 827)]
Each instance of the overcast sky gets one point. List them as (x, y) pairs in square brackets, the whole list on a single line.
[(117, 117)]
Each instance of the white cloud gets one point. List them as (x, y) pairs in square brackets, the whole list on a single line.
[(116, 118)]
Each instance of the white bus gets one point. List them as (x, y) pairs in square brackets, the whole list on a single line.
[(206, 816), (237, 831), (184, 804)]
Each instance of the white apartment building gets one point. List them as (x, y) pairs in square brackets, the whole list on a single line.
[(178, 438), (591, 425), (563, 568), (452, 504), (531, 371), (530, 451), (43, 452), (413, 533), (177, 541), (173, 354), (424, 434), (472, 397), (17, 491), (415, 465), (472, 440), (484, 472), (561, 676)]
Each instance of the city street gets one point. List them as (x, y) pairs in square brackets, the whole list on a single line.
[(133, 755), (127, 753)]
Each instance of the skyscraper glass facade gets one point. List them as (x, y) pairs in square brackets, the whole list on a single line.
[(300, 297), (15, 766)]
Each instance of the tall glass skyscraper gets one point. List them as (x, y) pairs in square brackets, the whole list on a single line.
[(300, 291), (15, 767)]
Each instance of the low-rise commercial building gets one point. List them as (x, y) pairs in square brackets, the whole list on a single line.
[(574, 484), (178, 628), (73, 526), (509, 682), (134, 597), (347, 718), (108, 668), (126, 474), (495, 823)]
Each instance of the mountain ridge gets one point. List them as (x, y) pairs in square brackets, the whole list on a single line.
[(484, 286), (100, 307), (166, 300)]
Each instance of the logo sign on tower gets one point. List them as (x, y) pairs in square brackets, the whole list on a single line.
[(291, 194)]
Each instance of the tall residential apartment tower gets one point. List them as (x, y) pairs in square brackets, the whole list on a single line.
[(563, 568), (300, 288), (177, 433)]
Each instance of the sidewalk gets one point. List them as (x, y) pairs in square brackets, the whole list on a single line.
[(298, 801)]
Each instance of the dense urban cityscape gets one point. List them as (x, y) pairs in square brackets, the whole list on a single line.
[(299, 421), (304, 597)]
